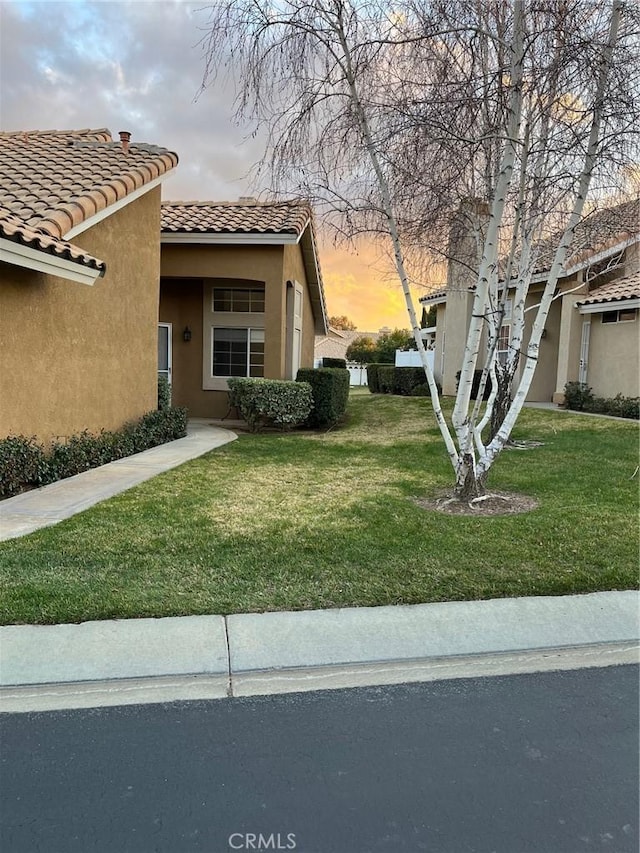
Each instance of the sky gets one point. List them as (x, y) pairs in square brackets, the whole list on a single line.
[(138, 66)]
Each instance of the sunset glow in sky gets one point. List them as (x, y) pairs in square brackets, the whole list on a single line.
[(137, 66)]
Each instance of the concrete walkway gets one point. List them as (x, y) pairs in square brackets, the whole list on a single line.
[(50, 504)]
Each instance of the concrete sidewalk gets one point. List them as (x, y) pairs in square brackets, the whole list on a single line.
[(211, 657), (50, 504)]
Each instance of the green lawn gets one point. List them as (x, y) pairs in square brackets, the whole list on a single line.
[(326, 520)]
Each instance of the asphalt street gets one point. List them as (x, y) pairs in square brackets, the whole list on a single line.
[(546, 763)]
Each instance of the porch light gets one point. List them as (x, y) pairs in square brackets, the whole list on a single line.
[(186, 335)]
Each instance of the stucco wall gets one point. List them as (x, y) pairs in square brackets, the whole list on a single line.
[(613, 366), (294, 269), (76, 357), (544, 379)]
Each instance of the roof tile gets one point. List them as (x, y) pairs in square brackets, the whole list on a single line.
[(52, 181), (235, 217), (615, 291), (73, 173)]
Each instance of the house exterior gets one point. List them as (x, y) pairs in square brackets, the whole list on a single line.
[(241, 294), (79, 280), (592, 330)]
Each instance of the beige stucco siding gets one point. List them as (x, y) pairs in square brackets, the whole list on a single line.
[(613, 366), (544, 379), (76, 357), (294, 271)]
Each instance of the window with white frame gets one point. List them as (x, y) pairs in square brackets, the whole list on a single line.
[(238, 300), (233, 329), (504, 335), (237, 352)]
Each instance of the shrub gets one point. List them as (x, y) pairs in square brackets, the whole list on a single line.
[(273, 402), (577, 396), (475, 386), (386, 378), (330, 390), (24, 463), (164, 393), (422, 390), (406, 379), (372, 376), (21, 464), (339, 363)]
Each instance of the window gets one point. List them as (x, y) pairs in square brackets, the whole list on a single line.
[(624, 315), (238, 300), (504, 335), (237, 352), (504, 338)]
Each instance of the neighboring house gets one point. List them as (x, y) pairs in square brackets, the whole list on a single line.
[(78, 209), (591, 333), (241, 294)]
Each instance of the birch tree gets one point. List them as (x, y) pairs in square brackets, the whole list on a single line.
[(389, 115)]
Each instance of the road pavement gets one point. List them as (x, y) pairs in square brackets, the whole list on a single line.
[(534, 763)]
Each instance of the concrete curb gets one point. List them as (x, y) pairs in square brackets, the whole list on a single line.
[(144, 660)]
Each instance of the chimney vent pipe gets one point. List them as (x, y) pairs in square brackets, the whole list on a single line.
[(125, 138)]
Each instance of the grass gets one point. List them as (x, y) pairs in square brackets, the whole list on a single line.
[(315, 520)]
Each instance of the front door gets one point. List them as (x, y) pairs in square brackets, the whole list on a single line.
[(584, 352), (164, 350)]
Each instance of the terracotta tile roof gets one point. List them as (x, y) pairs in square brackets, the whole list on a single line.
[(54, 180), (598, 231), (615, 291), (289, 218), (13, 229)]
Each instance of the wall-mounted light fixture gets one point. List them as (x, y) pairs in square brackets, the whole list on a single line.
[(186, 335)]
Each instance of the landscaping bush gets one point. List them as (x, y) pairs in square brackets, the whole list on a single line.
[(339, 363), (386, 378), (24, 463), (579, 398), (21, 464), (271, 402), (475, 386), (406, 379), (422, 390), (372, 376), (330, 390), (164, 393)]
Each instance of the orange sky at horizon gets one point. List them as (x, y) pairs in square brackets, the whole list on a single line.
[(359, 284)]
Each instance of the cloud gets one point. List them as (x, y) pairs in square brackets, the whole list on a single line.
[(138, 66)]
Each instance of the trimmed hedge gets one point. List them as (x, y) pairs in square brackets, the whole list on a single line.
[(26, 464), (405, 379), (402, 381), (271, 402), (330, 390), (579, 397), (386, 378), (372, 376), (339, 363)]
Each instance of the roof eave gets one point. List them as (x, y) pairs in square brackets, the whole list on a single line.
[(19, 255), (209, 238), (611, 304)]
